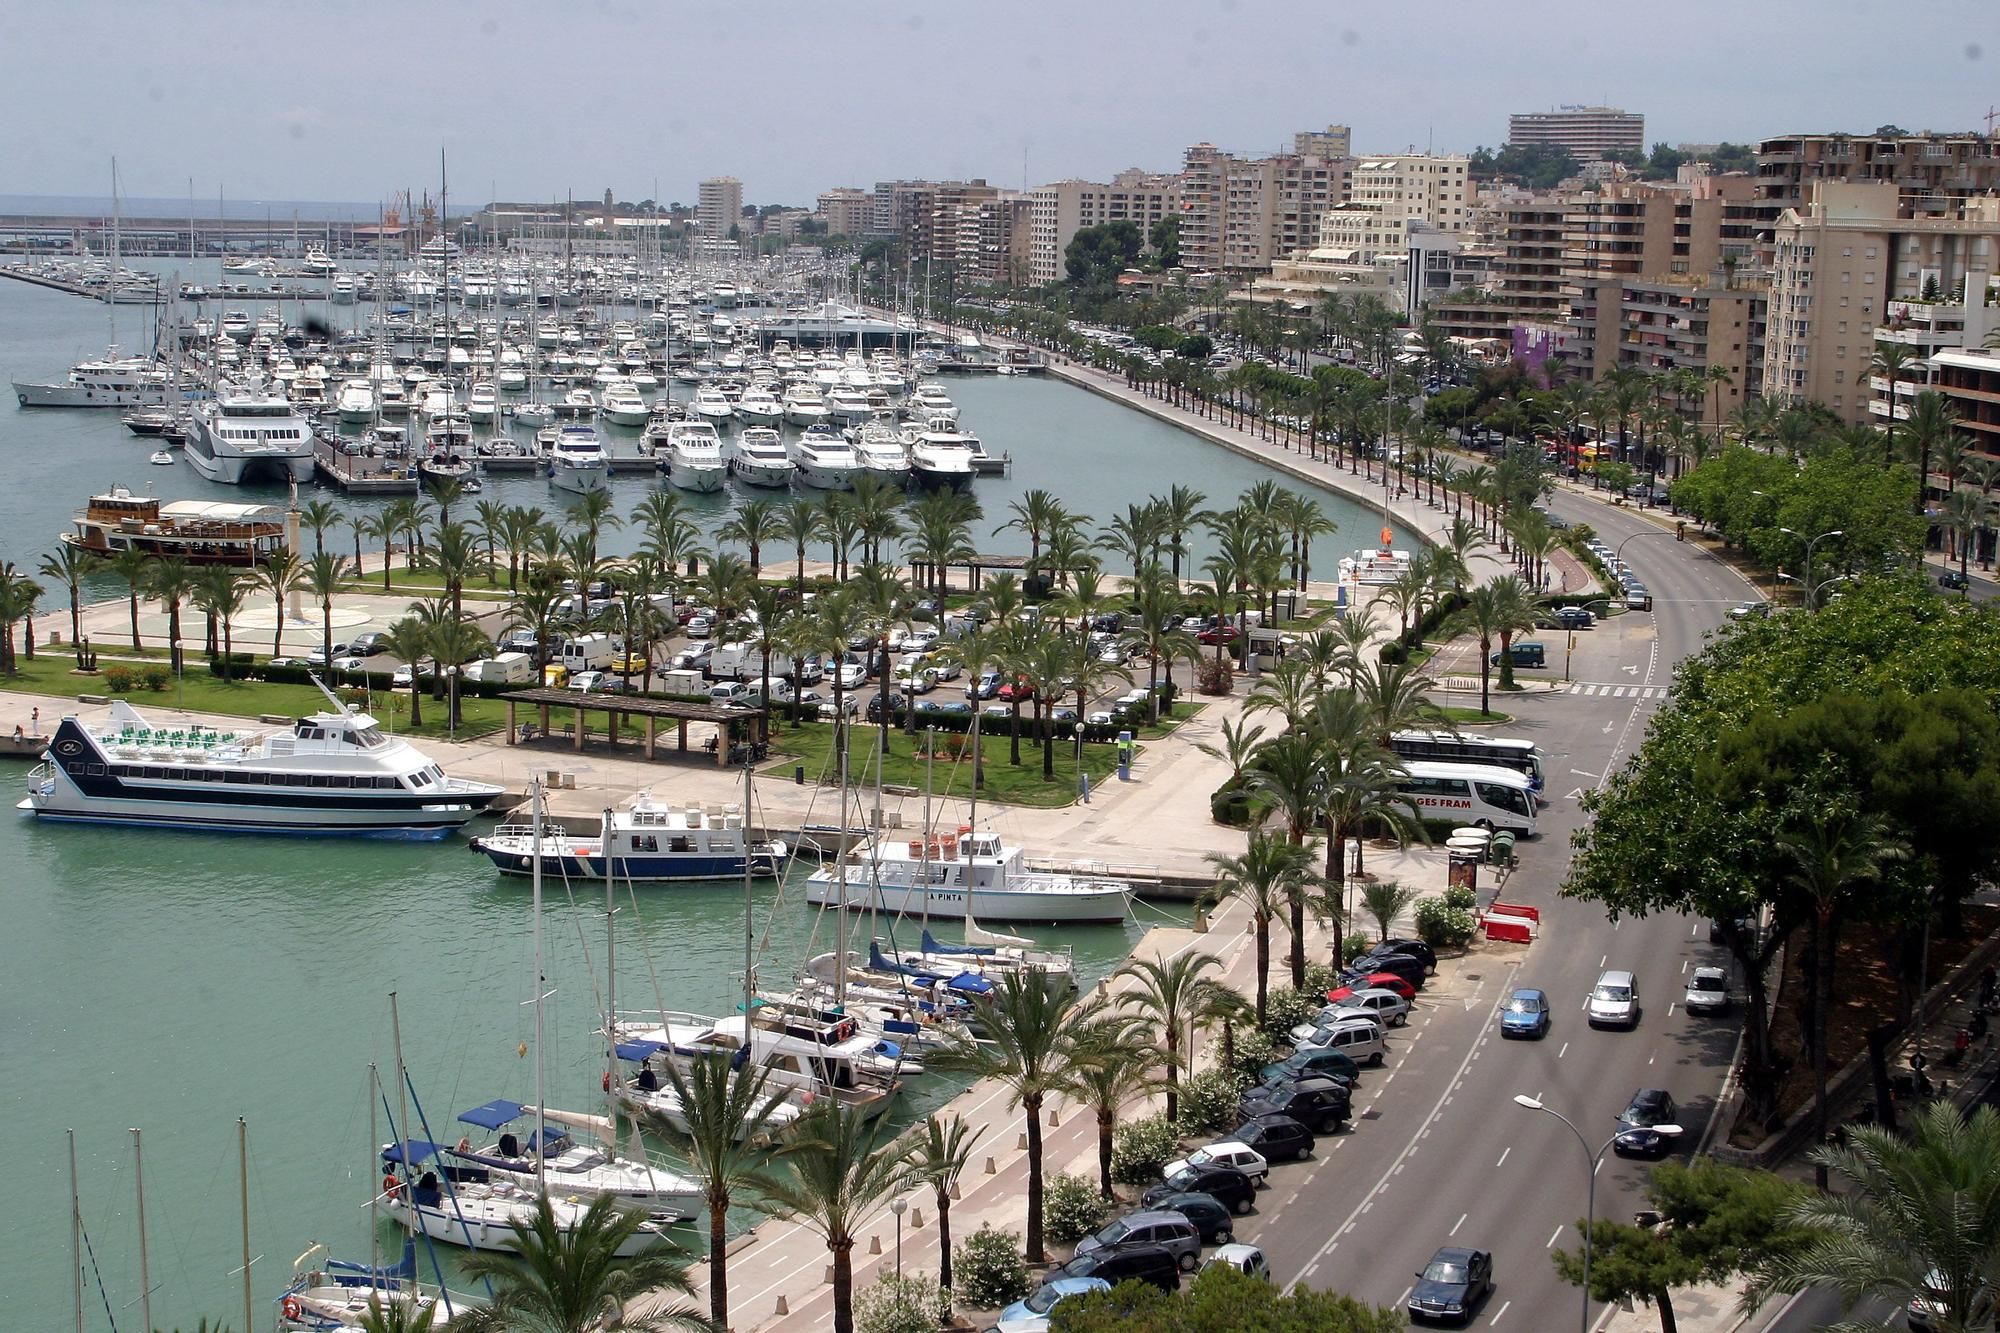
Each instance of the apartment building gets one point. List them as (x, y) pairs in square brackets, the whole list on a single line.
[(1588, 132), (1934, 175), (1927, 329), (1239, 214), (1665, 324), (846, 212), (1061, 209), (1524, 276), (1969, 378), (1840, 261), (1399, 236), (719, 205)]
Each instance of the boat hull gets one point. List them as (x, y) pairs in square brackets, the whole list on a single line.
[(73, 395), (763, 474), (492, 1230), (664, 868), (699, 477), (579, 480), (1106, 906)]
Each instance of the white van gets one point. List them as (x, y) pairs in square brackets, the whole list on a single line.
[(1614, 1001), (502, 669), (589, 652)]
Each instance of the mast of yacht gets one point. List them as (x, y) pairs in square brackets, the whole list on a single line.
[(243, 1199), (924, 861), (75, 1237), (541, 1078), (111, 314), (402, 1096), (374, 1228), (610, 965), (840, 872), (145, 1275), (749, 977)]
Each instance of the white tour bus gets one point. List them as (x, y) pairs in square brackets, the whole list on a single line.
[(1448, 747), (1471, 794)]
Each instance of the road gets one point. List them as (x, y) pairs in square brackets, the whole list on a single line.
[(1439, 1153)]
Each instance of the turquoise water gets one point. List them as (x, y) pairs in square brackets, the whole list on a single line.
[(176, 982)]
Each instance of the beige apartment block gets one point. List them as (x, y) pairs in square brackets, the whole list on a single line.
[(720, 205), (1239, 215), (846, 211), (1934, 175), (1588, 132), (1063, 208), (1840, 261)]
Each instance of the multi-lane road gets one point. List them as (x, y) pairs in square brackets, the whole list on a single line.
[(1439, 1152)]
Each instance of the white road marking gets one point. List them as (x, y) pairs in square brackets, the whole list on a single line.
[(1453, 1232), (1607, 727), (1580, 773), (1602, 961), (1564, 1051), (1684, 967), (1553, 1238), (1405, 1296), (1497, 1313), (1503, 1158), (1670, 1009)]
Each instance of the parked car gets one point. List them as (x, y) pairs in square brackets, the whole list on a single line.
[(1384, 1006), (1526, 1014), (1148, 1263), (1360, 979), (1570, 617), (1529, 654), (985, 686), (729, 692), (1214, 634), (1749, 610), (1234, 1190), (1326, 1062), (1952, 579), (1245, 1259), (369, 644), (1214, 1222), (1278, 1138), (1409, 968), (1614, 1000), (1324, 1104), (1640, 1126), (1414, 948), (699, 626), (1228, 1152), (1359, 1038), (1452, 1285), (1151, 1226), (1708, 991), (1031, 1314), (323, 653)]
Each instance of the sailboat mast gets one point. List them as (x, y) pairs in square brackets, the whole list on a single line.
[(749, 980), (610, 966), (840, 919), (75, 1237), (243, 1199), (402, 1092), (924, 862), (541, 1092), (374, 1230), (111, 302), (145, 1274)]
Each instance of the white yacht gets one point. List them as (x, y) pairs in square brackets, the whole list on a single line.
[(650, 844), (929, 400), (392, 398), (824, 460), (962, 875), (343, 290), (250, 433), (331, 772), (623, 405), (111, 381), (941, 455), (757, 457), (832, 1058), (712, 406), (438, 399), (848, 406), (550, 1158), (805, 407), (480, 1215), (484, 404), (694, 456), (356, 403), (578, 402), (577, 461), (882, 449), (760, 407)]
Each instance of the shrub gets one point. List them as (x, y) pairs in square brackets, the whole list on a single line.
[(1320, 978), (1253, 1051), (1208, 1102), (1394, 653), (1072, 1209), (1230, 803), (1215, 675), (1441, 925), (989, 1269), (118, 679), (156, 678), (1285, 1009), (1140, 1149), (1459, 896), (1352, 947), (899, 1305)]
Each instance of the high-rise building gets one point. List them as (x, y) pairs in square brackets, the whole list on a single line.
[(1840, 261), (720, 205), (1524, 279), (1063, 208), (1934, 174), (1239, 214), (1588, 132), (846, 211)]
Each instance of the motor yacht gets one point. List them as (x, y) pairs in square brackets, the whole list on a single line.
[(824, 459), (623, 405), (249, 432), (484, 404), (955, 876), (356, 403), (694, 456), (848, 406), (805, 407), (883, 450), (760, 407), (577, 460), (941, 455), (929, 400), (711, 404), (757, 457)]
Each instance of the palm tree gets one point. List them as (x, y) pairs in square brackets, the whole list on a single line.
[(1917, 1220), (1962, 515), (1494, 610), (1239, 745), (1036, 515), (454, 554), (323, 576), (70, 565), (939, 1152), (18, 596), (878, 515), (1359, 788), (537, 606), (280, 575), (490, 522), (220, 593), (383, 527), (445, 493), (1931, 423), (517, 529), (726, 1112), (1270, 875), (1891, 361), (1384, 901), (835, 1174), (1397, 698), (135, 567), (799, 522), (408, 640), (1178, 996), (593, 516), (454, 642), (1031, 1043), (1833, 856), (1180, 511), (557, 1280), (318, 516), (400, 1316), (755, 523), (1113, 1065)]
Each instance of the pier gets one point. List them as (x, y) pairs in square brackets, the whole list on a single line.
[(363, 474), (134, 294)]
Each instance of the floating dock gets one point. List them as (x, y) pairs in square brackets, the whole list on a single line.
[(361, 474)]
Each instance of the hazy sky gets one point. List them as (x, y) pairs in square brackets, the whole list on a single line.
[(332, 100)]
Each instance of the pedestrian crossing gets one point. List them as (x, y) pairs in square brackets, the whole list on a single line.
[(1614, 691)]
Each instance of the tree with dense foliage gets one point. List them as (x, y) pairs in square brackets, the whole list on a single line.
[(1177, 995), (1221, 1299), (67, 566), (835, 1173), (1270, 875), (939, 1153), (570, 1280)]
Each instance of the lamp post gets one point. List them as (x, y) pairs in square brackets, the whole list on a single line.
[(897, 1206), (1593, 1160), (1811, 600)]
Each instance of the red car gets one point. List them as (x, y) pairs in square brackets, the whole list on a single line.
[(1016, 689), (1383, 980), (1219, 634)]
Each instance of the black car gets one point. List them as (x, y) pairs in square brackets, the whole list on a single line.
[(1116, 1263), (1638, 1132), (369, 644), (1210, 1218), (1452, 1285), (1230, 1187), (875, 707), (1323, 1061), (1952, 579), (1570, 617), (1416, 949), (1279, 1137), (1406, 966), (1322, 1103)]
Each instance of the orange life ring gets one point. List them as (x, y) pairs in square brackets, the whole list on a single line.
[(806, 1100), (606, 1080), (291, 1307), (392, 1187)]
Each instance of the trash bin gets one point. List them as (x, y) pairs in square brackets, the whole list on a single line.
[(1462, 871)]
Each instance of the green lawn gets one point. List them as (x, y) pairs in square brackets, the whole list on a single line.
[(203, 693), (812, 744), (1472, 716)]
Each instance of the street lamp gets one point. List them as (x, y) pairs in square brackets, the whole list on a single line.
[(896, 1206), (1594, 1160), (1810, 544)]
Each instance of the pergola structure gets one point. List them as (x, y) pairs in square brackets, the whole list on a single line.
[(731, 723)]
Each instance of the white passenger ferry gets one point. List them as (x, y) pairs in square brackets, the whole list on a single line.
[(968, 874), (330, 773)]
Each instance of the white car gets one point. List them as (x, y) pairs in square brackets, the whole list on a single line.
[(1226, 1153), (586, 681), (1246, 1259), (405, 677), (1614, 1000), (699, 627), (916, 679), (1708, 991), (920, 638), (350, 663), (694, 657), (947, 668), (852, 675), (729, 692)]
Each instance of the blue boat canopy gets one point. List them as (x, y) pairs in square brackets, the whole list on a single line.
[(970, 983), (636, 1051), (494, 1114), (420, 1151), (933, 945)]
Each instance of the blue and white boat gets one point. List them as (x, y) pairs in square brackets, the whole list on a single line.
[(547, 1153), (649, 844)]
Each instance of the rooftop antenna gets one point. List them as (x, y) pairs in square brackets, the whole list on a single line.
[(1992, 114)]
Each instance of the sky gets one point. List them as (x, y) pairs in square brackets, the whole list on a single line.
[(339, 100)]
